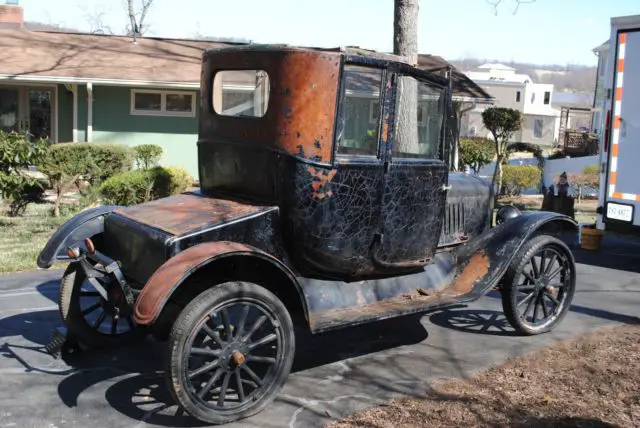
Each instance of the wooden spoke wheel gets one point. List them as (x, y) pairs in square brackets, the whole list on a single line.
[(539, 286), (94, 321), (231, 350)]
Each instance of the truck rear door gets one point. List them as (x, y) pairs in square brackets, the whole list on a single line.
[(623, 181)]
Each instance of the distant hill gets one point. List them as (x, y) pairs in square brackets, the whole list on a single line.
[(569, 78)]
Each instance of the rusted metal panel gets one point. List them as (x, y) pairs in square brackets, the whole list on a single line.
[(302, 101), (476, 269), (184, 213), (460, 275), (168, 276)]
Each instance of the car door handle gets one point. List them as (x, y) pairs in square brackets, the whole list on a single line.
[(445, 187)]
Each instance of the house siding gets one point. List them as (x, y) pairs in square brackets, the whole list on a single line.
[(548, 129), (114, 123), (65, 114)]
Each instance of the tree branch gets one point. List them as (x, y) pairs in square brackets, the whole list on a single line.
[(496, 4)]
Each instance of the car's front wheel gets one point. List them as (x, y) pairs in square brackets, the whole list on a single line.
[(539, 285), (230, 352), (92, 320)]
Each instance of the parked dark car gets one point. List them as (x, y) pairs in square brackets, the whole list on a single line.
[(326, 200)]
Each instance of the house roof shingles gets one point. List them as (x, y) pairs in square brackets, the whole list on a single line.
[(56, 54)]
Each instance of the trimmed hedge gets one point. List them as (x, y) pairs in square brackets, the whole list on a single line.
[(94, 162), (143, 185)]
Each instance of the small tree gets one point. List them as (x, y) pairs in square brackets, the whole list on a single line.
[(476, 152), (502, 123), (17, 154), (147, 155), (588, 177)]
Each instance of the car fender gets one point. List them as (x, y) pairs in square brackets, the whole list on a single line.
[(83, 225), (176, 270), (487, 258)]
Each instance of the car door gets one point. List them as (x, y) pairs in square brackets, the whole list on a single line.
[(416, 175), (334, 229)]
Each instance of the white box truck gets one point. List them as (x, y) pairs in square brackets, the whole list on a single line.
[(619, 195)]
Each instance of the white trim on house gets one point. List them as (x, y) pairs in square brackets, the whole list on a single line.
[(163, 103), (89, 136), (74, 132), (99, 81)]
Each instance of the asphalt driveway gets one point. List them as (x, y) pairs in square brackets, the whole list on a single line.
[(335, 373)]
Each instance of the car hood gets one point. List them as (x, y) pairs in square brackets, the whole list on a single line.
[(186, 213)]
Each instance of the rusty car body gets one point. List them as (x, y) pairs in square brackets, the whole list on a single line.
[(326, 200)]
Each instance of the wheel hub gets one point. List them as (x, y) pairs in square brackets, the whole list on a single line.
[(233, 356), (238, 358)]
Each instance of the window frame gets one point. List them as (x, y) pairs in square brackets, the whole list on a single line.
[(163, 112), (547, 98), (421, 158), (380, 94), (237, 88)]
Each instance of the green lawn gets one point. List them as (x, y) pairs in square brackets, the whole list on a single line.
[(22, 238)]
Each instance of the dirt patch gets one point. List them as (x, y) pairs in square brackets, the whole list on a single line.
[(591, 381)]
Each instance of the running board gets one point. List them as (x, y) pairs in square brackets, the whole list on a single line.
[(336, 304)]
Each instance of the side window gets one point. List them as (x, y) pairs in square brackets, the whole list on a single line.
[(360, 111), (241, 93), (419, 113)]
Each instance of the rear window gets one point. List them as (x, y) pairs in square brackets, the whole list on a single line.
[(241, 93)]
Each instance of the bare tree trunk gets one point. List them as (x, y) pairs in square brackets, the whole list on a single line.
[(405, 43), (137, 26)]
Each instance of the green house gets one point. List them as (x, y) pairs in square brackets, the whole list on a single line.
[(74, 87)]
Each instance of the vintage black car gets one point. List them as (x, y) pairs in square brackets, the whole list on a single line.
[(326, 201)]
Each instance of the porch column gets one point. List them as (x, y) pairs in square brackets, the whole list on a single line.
[(74, 91), (89, 112)]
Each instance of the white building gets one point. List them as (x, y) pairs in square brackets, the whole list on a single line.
[(518, 91)]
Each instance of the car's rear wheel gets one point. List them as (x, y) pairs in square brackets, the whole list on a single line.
[(539, 285), (230, 352), (92, 320)]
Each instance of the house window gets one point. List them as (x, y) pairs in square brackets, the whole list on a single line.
[(547, 97), (517, 96), (537, 128), (241, 93), (533, 97), (163, 103)]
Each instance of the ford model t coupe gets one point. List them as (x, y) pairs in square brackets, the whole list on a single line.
[(326, 200)]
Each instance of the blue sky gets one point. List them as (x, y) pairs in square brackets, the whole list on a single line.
[(543, 32)]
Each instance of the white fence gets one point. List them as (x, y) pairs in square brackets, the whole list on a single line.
[(552, 168)]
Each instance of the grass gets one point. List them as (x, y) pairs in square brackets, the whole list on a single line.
[(589, 381), (22, 238)]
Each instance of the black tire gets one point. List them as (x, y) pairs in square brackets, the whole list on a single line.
[(553, 283), (71, 311), (229, 355)]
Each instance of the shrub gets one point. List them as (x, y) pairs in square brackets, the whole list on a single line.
[(17, 154), (476, 152), (517, 178), (558, 154), (502, 122), (142, 185), (68, 164), (170, 181), (588, 177), (147, 155)]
